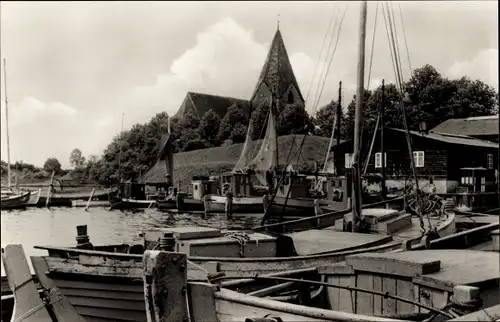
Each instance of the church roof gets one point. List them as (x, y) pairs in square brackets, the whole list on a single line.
[(277, 71), (202, 103)]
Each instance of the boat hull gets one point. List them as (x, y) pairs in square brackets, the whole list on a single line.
[(124, 203), (281, 207), (15, 202), (245, 205)]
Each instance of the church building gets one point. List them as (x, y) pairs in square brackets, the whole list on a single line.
[(276, 77)]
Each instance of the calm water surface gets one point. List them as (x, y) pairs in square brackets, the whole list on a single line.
[(57, 226)]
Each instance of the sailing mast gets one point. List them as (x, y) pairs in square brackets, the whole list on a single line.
[(7, 123), (358, 119), (121, 148), (382, 152), (339, 115)]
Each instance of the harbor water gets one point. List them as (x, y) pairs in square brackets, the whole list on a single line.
[(57, 226)]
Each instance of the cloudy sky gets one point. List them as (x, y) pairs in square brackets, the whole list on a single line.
[(74, 67)]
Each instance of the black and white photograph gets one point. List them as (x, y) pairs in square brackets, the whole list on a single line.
[(249, 161)]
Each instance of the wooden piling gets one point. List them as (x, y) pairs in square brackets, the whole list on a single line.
[(165, 286), (90, 199), (82, 239), (51, 186)]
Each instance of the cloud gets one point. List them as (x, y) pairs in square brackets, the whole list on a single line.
[(483, 66), (226, 60), (39, 130)]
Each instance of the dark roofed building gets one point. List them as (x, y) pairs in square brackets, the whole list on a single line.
[(482, 127), (161, 173), (276, 75), (440, 157), (201, 103)]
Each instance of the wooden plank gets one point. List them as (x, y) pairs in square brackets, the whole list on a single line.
[(389, 285), (347, 298), (333, 292), (90, 285), (202, 302), (405, 290), (165, 286), (105, 294), (107, 303), (377, 299), (104, 266), (364, 301), (400, 264), (20, 281), (111, 314), (61, 306)]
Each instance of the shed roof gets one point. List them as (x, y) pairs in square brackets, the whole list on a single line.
[(471, 126), (452, 139)]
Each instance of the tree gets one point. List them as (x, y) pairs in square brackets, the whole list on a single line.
[(324, 119), (209, 127), (238, 133), (235, 114), (293, 119), (52, 164), (76, 159)]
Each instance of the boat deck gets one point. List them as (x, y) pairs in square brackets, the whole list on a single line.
[(317, 241), (457, 267)]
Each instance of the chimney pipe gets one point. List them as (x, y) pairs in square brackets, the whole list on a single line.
[(423, 127)]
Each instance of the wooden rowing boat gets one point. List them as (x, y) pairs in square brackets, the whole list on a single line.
[(102, 283), (15, 201), (34, 198)]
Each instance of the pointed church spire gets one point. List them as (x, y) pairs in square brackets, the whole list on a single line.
[(277, 73), (278, 26)]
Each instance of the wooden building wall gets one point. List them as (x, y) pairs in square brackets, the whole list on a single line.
[(441, 160)]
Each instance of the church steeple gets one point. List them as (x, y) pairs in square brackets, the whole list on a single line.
[(277, 76)]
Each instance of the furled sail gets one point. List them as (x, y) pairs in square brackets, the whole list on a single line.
[(266, 157), (245, 156)]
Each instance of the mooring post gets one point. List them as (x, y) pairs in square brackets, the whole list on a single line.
[(229, 205), (165, 286), (82, 239)]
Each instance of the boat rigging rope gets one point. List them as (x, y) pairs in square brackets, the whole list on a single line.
[(398, 75)]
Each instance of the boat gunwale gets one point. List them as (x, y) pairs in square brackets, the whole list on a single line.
[(330, 214), (389, 245)]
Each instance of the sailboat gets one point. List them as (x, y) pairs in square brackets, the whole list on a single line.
[(10, 199), (246, 198)]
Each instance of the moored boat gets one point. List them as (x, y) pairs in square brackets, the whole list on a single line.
[(14, 201)]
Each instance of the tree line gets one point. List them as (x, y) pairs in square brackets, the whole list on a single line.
[(426, 96)]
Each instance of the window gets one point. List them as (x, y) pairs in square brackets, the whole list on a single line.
[(490, 161), (348, 160), (290, 97), (378, 159), (418, 158)]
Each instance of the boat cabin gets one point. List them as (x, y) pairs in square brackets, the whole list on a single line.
[(133, 190), (203, 185), (297, 184), (239, 183)]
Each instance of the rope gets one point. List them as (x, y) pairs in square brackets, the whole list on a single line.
[(397, 69), (404, 36), (320, 52), (241, 237)]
